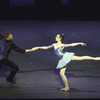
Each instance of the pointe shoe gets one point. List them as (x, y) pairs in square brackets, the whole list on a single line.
[(64, 89), (97, 58)]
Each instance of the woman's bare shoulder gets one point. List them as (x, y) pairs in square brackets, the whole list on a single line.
[(54, 44)]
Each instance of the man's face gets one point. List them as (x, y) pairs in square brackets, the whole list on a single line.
[(10, 37)]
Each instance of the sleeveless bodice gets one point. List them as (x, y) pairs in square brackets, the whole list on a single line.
[(64, 57), (59, 53)]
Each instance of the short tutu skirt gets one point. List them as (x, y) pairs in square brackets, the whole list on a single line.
[(65, 60)]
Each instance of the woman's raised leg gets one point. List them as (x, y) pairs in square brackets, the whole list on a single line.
[(85, 58)]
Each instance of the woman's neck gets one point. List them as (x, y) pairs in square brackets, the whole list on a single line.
[(59, 42)]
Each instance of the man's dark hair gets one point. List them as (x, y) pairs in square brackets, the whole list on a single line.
[(6, 34)]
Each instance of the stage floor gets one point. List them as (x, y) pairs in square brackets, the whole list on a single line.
[(38, 77)]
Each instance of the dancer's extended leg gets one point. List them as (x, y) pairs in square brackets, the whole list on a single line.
[(62, 74), (85, 58)]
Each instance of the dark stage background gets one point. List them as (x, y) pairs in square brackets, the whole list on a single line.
[(36, 24), (50, 9)]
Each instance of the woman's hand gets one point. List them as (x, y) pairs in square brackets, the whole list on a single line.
[(33, 49), (83, 44)]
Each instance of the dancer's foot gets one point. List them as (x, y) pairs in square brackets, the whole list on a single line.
[(65, 89), (97, 58), (11, 81)]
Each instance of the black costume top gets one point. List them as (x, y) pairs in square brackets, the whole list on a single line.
[(9, 46)]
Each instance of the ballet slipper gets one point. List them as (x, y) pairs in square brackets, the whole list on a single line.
[(64, 89)]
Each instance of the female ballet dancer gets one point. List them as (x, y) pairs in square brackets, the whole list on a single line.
[(65, 58)]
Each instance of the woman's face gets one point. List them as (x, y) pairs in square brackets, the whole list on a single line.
[(57, 38)]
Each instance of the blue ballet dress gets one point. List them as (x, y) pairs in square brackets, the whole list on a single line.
[(64, 58)]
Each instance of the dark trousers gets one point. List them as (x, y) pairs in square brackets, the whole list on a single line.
[(10, 64)]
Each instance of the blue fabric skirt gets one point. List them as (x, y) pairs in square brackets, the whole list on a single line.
[(67, 57)]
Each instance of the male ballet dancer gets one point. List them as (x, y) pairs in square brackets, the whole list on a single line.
[(9, 45)]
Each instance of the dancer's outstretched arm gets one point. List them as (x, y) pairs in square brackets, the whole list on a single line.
[(33, 49), (74, 44), (45, 47)]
